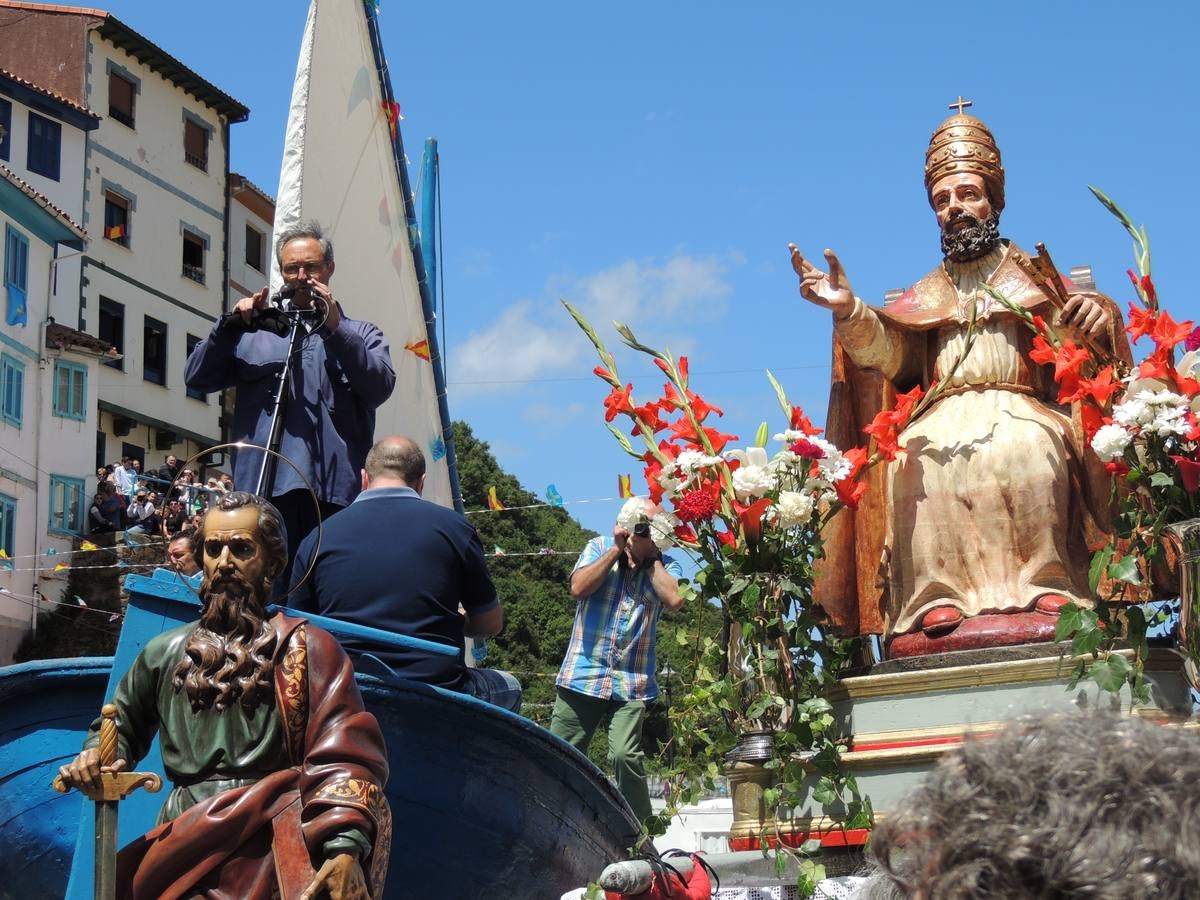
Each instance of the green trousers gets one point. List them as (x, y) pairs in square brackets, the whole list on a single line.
[(576, 718)]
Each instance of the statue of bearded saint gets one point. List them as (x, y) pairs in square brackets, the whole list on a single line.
[(261, 727), (977, 534)]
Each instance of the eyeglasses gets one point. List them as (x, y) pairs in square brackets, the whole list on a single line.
[(641, 529)]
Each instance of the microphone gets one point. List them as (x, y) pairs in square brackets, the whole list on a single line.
[(287, 292)]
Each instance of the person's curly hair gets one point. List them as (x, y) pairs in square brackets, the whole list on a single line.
[(1085, 807)]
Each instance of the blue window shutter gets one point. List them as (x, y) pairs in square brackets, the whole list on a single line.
[(16, 275)]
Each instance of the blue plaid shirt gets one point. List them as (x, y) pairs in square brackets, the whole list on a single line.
[(611, 654)]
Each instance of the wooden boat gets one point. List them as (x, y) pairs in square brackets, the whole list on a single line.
[(485, 803)]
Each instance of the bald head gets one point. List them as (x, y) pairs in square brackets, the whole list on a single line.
[(395, 461)]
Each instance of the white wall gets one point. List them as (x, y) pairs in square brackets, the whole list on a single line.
[(244, 279), (147, 164)]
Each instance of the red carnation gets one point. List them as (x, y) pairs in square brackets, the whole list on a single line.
[(1192, 341), (807, 449), (695, 506)]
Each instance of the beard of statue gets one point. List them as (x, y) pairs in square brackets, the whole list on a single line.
[(977, 239), (228, 657)]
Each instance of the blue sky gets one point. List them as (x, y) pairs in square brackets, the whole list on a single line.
[(651, 161)]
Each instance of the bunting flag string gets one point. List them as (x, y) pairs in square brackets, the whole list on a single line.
[(553, 497), (493, 502), (624, 487), (502, 508), (419, 348)]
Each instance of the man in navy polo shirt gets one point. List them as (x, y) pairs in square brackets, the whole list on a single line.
[(391, 560)]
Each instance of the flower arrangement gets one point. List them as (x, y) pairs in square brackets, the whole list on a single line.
[(1141, 421), (751, 518)]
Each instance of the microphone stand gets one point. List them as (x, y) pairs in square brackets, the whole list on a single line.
[(266, 475)]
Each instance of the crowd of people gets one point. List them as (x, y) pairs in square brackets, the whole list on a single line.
[(158, 503)]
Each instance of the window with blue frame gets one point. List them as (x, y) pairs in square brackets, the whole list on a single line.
[(45, 146), (8, 524), (12, 389), (16, 275), (70, 390), (6, 127), (66, 505)]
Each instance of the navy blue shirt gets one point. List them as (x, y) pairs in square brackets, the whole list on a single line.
[(338, 381), (391, 560)]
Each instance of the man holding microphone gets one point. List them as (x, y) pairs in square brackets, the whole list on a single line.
[(341, 374)]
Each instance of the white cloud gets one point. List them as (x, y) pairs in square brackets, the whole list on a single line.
[(530, 341)]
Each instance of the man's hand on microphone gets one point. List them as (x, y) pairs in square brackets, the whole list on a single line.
[(323, 300), (247, 305)]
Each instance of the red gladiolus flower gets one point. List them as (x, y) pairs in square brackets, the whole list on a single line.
[(602, 372), (1042, 352), (1069, 360), (649, 416), (1092, 419), (883, 429), (1141, 321), (858, 459), (618, 402), (1099, 389), (683, 369), (850, 492), (800, 422), (807, 450), (727, 538), (1117, 468), (695, 506), (1189, 473), (1157, 365), (905, 404), (1149, 291), (686, 533), (1040, 325), (1167, 332), (701, 409), (1132, 277)]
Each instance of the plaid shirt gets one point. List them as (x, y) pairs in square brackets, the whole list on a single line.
[(611, 654)]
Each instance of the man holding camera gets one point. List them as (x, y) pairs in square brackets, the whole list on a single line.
[(621, 586), (342, 373)]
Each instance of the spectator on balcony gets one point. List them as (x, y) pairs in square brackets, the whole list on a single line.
[(104, 516)]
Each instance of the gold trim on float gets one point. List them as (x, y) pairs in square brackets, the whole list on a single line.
[(1019, 671), (934, 732)]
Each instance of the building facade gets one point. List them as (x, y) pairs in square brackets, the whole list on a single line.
[(155, 199)]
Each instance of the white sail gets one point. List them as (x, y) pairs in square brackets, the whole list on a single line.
[(340, 168)]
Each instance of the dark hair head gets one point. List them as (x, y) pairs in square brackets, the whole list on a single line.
[(396, 457), (1091, 807), (309, 229), (270, 526)]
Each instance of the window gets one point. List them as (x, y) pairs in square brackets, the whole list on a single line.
[(6, 128), (66, 505), (120, 98), (70, 390), (8, 524), (45, 141), (192, 341), (16, 275), (112, 329), (193, 257), (195, 144), (12, 390), (116, 218), (254, 248), (154, 351)]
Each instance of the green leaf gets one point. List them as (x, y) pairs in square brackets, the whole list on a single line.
[(1110, 673), (824, 793), (1069, 620), (1125, 569), (1161, 479), (780, 864), (1100, 561), (779, 393), (812, 845), (623, 440)]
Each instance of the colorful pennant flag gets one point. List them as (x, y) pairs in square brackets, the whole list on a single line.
[(554, 496), (88, 545), (60, 567), (3, 553), (79, 601), (115, 233), (624, 486), (52, 551), (437, 449), (493, 500), (419, 348), (114, 617), (391, 109), (498, 551)]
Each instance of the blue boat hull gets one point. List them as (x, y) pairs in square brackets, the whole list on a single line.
[(485, 803)]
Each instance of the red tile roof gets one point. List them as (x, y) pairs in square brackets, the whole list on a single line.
[(66, 338), (42, 200)]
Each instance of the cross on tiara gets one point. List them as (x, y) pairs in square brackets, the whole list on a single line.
[(961, 104)]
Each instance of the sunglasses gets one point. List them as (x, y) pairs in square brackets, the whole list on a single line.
[(641, 529)]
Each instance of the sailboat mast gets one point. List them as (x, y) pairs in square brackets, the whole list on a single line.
[(423, 283)]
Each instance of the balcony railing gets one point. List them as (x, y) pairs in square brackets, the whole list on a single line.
[(196, 273)]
